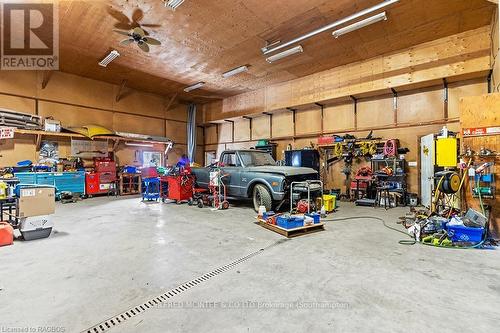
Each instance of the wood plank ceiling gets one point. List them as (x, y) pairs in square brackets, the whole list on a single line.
[(203, 39)]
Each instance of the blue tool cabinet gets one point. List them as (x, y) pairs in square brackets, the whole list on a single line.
[(73, 182)]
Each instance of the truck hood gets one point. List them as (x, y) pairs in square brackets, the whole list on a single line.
[(283, 170)]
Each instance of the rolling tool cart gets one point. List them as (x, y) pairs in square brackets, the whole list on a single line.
[(180, 187)]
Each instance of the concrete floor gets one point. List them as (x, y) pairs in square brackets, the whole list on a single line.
[(108, 255)]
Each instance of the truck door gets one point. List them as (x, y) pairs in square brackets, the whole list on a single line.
[(232, 167)]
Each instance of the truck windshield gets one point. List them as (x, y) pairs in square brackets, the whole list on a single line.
[(256, 158)]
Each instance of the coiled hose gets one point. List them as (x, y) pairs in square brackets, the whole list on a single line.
[(411, 241)]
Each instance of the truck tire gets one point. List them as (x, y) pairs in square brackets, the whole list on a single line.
[(262, 197)]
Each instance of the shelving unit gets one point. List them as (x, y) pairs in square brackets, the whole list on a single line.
[(130, 183), (116, 139)]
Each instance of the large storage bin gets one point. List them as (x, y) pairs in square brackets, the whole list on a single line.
[(289, 222), (73, 182), (329, 201), (459, 233)]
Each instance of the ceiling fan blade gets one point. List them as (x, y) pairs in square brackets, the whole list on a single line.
[(151, 41), (119, 16), (137, 15), (143, 46), (123, 26), (121, 32), (127, 41), (139, 32)]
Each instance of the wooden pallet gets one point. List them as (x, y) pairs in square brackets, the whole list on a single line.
[(289, 233)]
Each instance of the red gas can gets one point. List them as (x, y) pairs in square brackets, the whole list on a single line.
[(6, 234)]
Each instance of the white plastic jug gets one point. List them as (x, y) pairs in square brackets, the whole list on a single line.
[(262, 210)]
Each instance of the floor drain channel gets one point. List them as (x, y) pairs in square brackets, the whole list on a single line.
[(134, 311)]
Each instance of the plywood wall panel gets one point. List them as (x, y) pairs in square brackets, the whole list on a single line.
[(338, 117), (464, 89), (13, 151), (421, 106), (179, 112), (242, 130), (19, 104), (375, 112), (138, 124), (211, 135), (199, 156), (282, 124), (250, 102), (200, 140), (463, 55), (261, 128), (175, 153), (140, 103), (225, 132), (74, 89), (22, 83), (176, 131), (308, 121), (71, 116)]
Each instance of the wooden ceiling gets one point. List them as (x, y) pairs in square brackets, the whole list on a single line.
[(203, 39)]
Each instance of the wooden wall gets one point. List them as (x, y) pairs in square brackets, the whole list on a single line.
[(77, 101), (419, 112), (483, 111), (495, 51), (463, 56)]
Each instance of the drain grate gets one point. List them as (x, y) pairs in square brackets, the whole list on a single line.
[(116, 320)]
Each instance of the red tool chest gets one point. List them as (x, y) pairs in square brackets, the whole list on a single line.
[(105, 165), (92, 184), (180, 187)]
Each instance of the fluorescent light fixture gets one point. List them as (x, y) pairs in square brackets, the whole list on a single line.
[(270, 45), (109, 58), (360, 24), (287, 53), (173, 4), (332, 25), (235, 71), (135, 144), (194, 86)]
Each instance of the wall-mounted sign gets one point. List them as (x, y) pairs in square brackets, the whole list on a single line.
[(7, 132), (479, 131)]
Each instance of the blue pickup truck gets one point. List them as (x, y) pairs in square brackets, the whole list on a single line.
[(254, 174)]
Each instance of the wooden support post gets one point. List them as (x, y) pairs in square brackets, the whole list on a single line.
[(355, 101), (395, 105), (445, 99), (120, 91), (115, 145), (489, 81), (46, 78), (169, 104), (322, 116), (38, 141)]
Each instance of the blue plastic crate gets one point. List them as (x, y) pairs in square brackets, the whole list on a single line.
[(315, 217), (459, 233), (289, 222)]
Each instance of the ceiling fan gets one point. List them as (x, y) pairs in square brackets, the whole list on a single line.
[(138, 36), (124, 23)]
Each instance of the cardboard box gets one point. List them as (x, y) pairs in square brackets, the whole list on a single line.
[(36, 201), (52, 125)]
